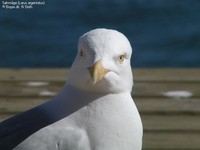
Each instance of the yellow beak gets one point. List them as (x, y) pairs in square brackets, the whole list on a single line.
[(97, 72)]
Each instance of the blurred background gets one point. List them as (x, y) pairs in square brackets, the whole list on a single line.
[(163, 33)]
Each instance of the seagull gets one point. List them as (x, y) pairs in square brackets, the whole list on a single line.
[(93, 111)]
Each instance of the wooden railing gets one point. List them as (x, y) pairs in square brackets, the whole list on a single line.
[(167, 99)]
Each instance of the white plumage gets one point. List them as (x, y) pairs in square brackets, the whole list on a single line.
[(94, 110)]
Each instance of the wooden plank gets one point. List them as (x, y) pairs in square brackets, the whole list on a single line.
[(176, 75), (145, 106), (168, 106), (159, 123), (60, 74), (26, 89), (151, 106), (171, 141), (155, 123), (28, 74), (18, 105), (171, 123), (140, 89), (152, 89)]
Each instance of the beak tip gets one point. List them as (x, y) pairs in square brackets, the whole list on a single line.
[(97, 72)]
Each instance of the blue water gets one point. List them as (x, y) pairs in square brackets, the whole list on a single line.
[(163, 33)]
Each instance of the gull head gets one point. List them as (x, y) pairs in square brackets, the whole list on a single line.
[(102, 63)]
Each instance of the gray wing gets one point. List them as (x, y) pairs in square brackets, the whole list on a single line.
[(58, 136), (16, 129)]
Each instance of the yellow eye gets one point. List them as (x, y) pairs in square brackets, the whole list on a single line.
[(121, 58)]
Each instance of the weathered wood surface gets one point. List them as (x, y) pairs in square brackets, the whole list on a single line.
[(170, 122)]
